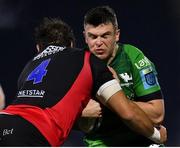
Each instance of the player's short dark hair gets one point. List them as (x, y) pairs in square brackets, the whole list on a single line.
[(101, 15), (54, 31)]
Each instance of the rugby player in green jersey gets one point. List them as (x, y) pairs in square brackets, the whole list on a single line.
[(137, 77)]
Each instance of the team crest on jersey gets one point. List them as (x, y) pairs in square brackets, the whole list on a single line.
[(127, 79), (149, 78)]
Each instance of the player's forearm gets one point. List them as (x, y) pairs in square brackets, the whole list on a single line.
[(111, 95), (154, 110), (140, 122), (131, 114)]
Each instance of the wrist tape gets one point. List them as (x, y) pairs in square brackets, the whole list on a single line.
[(155, 136)]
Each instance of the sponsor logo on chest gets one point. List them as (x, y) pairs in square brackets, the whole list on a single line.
[(31, 93)]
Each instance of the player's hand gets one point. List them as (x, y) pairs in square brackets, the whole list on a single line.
[(163, 133), (92, 109)]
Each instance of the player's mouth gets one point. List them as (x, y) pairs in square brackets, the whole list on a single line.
[(99, 51)]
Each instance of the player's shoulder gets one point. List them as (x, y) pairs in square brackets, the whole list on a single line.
[(133, 53), (131, 50)]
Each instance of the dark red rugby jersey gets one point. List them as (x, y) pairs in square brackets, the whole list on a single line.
[(54, 87)]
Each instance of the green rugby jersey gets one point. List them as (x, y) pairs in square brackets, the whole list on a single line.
[(138, 79), (136, 72)]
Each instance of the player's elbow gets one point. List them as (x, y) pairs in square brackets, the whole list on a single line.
[(158, 118), (158, 111)]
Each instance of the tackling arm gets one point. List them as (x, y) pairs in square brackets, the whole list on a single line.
[(131, 114), (154, 109), (135, 118)]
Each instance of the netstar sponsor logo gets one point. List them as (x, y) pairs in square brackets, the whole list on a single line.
[(31, 93)]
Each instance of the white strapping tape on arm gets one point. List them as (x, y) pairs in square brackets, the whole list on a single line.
[(107, 90), (155, 136)]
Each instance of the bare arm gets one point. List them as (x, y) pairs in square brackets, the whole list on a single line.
[(2, 98), (154, 109), (131, 114), (134, 117)]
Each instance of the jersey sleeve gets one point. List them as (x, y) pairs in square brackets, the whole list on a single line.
[(144, 73)]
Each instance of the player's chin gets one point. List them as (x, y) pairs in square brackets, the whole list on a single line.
[(101, 56)]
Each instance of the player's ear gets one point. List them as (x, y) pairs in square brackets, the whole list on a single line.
[(117, 35)]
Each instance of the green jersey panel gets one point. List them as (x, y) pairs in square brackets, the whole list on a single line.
[(136, 72), (143, 70)]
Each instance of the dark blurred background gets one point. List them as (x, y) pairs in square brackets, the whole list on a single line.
[(153, 26)]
